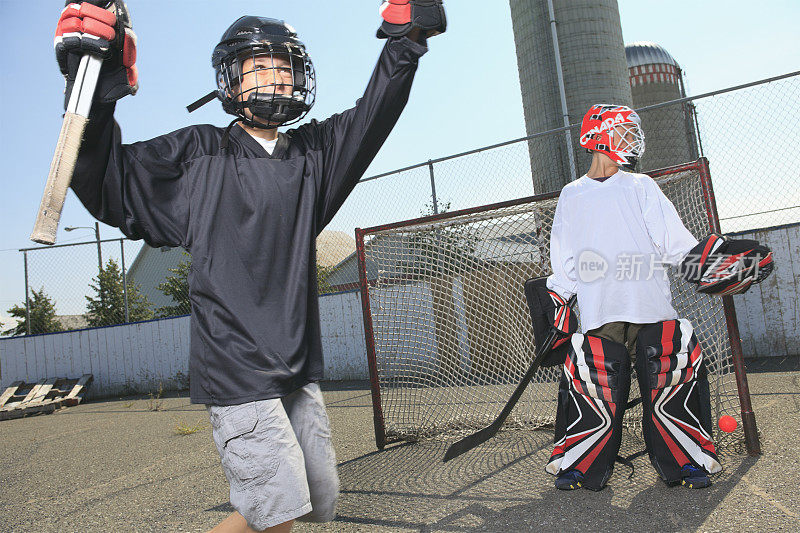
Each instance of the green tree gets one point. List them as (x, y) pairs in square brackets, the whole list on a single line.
[(444, 251), (441, 207), (107, 307), (323, 273), (43, 316), (176, 287)]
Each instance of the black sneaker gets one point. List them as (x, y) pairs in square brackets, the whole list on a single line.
[(569, 480), (694, 478)]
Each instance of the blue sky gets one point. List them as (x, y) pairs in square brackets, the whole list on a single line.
[(718, 44)]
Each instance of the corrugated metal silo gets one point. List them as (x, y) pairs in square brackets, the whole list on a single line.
[(592, 56), (656, 77)]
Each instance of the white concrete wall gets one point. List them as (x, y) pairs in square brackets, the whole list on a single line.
[(769, 313), (136, 358)]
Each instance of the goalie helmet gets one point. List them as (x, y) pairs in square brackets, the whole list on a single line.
[(598, 129), (283, 94)]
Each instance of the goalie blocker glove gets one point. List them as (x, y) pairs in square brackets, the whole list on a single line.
[(400, 16), (722, 266), (550, 311), (101, 28)]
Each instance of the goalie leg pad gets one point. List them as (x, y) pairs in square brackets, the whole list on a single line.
[(592, 397), (676, 405)]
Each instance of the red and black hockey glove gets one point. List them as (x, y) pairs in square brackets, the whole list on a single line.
[(550, 311), (722, 266), (102, 28), (401, 16)]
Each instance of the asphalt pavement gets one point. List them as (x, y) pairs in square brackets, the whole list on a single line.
[(118, 465)]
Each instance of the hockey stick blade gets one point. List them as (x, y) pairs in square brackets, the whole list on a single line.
[(472, 441), (479, 437)]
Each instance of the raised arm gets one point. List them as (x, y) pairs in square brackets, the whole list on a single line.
[(140, 188), (137, 188), (350, 140)]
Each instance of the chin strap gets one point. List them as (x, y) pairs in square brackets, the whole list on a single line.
[(225, 136), (201, 102)]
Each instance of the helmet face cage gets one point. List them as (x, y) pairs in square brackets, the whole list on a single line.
[(615, 131), (279, 85)]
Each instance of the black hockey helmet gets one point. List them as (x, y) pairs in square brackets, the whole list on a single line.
[(282, 96)]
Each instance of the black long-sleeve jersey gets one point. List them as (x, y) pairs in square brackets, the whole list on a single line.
[(250, 221)]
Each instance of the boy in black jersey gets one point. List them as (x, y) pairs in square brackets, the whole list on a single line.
[(248, 203)]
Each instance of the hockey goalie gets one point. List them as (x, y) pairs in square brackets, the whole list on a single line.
[(614, 234)]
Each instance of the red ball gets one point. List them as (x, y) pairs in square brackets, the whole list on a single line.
[(727, 424)]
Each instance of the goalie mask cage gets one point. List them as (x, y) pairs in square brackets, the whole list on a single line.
[(448, 331)]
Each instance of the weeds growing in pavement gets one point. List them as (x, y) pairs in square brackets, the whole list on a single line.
[(183, 428), (156, 403)]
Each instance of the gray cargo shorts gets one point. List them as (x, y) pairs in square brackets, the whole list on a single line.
[(278, 458)]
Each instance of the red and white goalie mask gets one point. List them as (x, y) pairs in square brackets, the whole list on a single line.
[(614, 130)]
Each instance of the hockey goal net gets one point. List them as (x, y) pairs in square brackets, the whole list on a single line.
[(448, 330)]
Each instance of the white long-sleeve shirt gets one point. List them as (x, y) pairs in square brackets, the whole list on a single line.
[(611, 243)]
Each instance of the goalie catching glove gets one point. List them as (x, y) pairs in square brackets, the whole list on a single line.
[(550, 311), (722, 266), (400, 16), (101, 28)]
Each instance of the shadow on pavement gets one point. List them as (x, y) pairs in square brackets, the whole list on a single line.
[(502, 486)]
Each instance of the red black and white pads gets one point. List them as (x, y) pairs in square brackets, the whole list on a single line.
[(722, 266), (550, 310), (400, 16), (592, 397), (676, 406), (88, 28)]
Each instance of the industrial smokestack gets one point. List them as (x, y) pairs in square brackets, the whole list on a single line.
[(593, 69)]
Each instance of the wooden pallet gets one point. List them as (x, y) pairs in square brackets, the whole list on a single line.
[(45, 396)]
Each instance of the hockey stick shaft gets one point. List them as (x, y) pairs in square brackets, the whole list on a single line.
[(479, 437), (66, 154)]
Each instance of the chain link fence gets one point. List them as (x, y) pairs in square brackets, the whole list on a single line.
[(75, 286), (746, 132)]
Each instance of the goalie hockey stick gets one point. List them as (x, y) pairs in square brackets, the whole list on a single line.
[(69, 143), (479, 437)]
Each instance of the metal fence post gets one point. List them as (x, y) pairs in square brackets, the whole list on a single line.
[(561, 92), (697, 129), (27, 299), (99, 253), (433, 189), (124, 279)]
